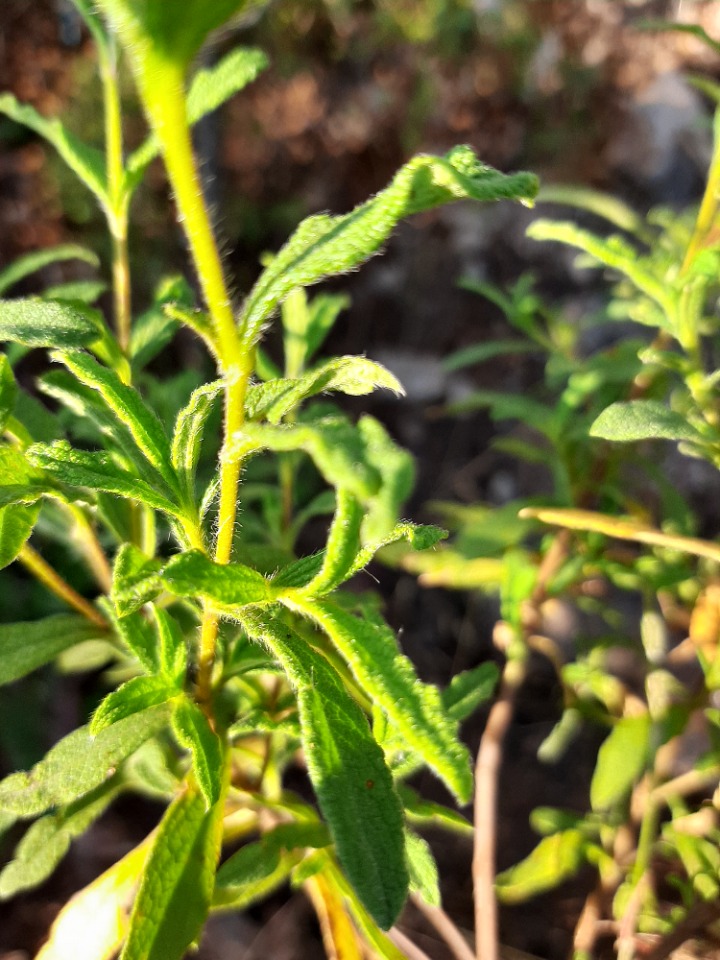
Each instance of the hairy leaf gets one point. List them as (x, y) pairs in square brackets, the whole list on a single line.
[(130, 698), (16, 524), (193, 732), (389, 678), (348, 772), (31, 262), (424, 878), (177, 884), (621, 761), (325, 246), (136, 579), (188, 435), (553, 860), (47, 323), (8, 390), (306, 324), (140, 639), (642, 420), (173, 647), (78, 764), (193, 574), (26, 646), (84, 160)]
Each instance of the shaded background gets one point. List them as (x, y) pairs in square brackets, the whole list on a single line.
[(575, 90)]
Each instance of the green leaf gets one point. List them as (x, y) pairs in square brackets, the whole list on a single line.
[(469, 689), (424, 878), (140, 639), (642, 420), (481, 352), (8, 390), (78, 764), (209, 89), (130, 409), (621, 761), (177, 884), (16, 524), (231, 585), (389, 678), (173, 647), (396, 469), (347, 769), (355, 376), (343, 544), (554, 860), (46, 323), (26, 646), (325, 246), (85, 161), (47, 841), (306, 324), (155, 328), (136, 579), (188, 435), (131, 698), (428, 814), (193, 732), (38, 259), (95, 471)]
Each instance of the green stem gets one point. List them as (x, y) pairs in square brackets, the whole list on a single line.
[(51, 579), (708, 213)]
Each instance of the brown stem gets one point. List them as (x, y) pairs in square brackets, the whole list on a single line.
[(445, 927)]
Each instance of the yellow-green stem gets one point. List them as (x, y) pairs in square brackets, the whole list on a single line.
[(708, 213), (166, 104), (88, 542), (51, 579)]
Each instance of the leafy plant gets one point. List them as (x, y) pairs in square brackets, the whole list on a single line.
[(594, 426), (227, 651)]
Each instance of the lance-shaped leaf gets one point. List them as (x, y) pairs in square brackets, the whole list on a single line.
[(388, 677), (334, 443), (38, 259), (139, 637), (129, 698), (16, 525), (84, 160), (643, 420), (355, 376), (188, 435), (177, 884), (78, 764), (347, 769), (397, 472), (130, 409), (173, 652), (621, 761), (78, 291), (96, 471), (554, 860), (193, 732), (193, 574), (26, 646), (325, 246), (47, 323), (8, 390), (424, 878), (306, 324), (136, 579), (47, 841), (209, 89), (343, 544)]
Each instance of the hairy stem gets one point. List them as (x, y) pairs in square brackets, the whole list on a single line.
[(51, 579)]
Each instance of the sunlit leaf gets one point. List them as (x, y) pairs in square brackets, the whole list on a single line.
[(130, 698), (424, 878), (193, 574), (16, 525), (136, 579), (642, 420), (46, 323), (188, 434), (193, 731), (31, 262), (554, 860), (621, 761)]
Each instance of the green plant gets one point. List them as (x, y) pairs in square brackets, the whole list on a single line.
[(651, 832), (227, 651)]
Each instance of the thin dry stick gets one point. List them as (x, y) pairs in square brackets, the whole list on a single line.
[(411, 951), (698, 917), (586, 931), (445, 927), (487, 770)]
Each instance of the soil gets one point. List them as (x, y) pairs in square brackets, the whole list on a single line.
[(324, 128)]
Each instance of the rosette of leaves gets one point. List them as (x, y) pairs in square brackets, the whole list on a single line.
[(229, 651)]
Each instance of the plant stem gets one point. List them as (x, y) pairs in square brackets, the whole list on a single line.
[(88, 542), (445, 927), (708, 213), (166, 104), (51, 579)]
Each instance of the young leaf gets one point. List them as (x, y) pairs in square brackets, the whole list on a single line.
[(140, 639), (306, 324), (26, 646), (348, 772), (388, 677), (396, 469), (188, 435), (84, 160), (130, 698), (251, 873), (78, 764), (96, 471), (129, 407), (136, 579), (177, 884), (642, 420), (343, 544), (193, 732), (424, 877), (209, 89), (46, 323), (621, 761), (77, 291), (469, 689), (553, 860), (229, 585), (325, 246), (16, 525), (38, 259), (173, 647), (48, 839)]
